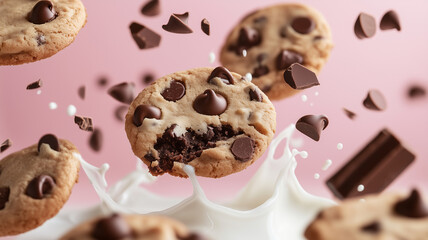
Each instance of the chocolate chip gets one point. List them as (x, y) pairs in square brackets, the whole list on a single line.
[(255, 95), (416, 91), (144, 36), (375, 101), (412, 207), (243, 148), (365, 26), (178, 23), (151, 8), (299, 77), (371, 228), (120, 113), (312, 125), (40, 186), (41, 39), (123, 92), (145, 111), (390, 21), (260, 71), (303, 25), (84, 123), (113, 227), (81, 91), (205, 26), (223, 74), (248, 37), (35, 85), (96, 140), (175, 91), (5, 145), (148, 78), (349, 113), (286, 58), (51, 140), (42, 12), (4, 196), (266, 88), (283, 32), (210, 103), (102, 81)]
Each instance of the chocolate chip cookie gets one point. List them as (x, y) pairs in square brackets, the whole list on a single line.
[(266, 42), (378, 217), (211, 119), (35, 183), (34, 30)]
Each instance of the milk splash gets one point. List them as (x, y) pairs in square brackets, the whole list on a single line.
[(273, 205)]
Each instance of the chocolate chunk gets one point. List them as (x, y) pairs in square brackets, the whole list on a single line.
[(35, 85), (81, 91), (175, 91), (145, 111), (416, 92), (113, 227), (286, 58), (42, 12), (266, 88), (375, 101), (41, 39), (4, 196), (283, 32), (243, 148), (412, 207), (102, 81), (123, 92), (349, 113), (205, 26), (40, 186), (390, 21), (148, 78), (51, 140), (299, 77), (371, 228), (260, 71), (120, 113), (84, 123), (5, 145), (210, 103), (375, 166), (144, 36), (248, 37), (303, 25), (261, 58), (365, 26), (312, 125), (223, 74), (96, 140), (178, 23), (255, 95), (151, 8)]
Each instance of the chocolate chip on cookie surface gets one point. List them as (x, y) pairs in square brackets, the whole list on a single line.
[(211, 119)]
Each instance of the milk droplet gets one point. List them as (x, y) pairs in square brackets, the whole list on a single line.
[(339, 146), (304, 98), (39, 92), (327, 164), (212, 57), (53, 105), (249, 77), (71, 110), (316, 176), (360, 188), (244, 53), (317, 93)]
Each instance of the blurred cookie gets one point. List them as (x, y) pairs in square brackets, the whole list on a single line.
[(35, 183), (34, 30), (211, 119), (269, 40)]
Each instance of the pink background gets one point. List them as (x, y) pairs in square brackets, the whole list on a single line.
[(389, 61)]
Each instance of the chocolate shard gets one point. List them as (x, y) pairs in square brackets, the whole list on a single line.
[(349, 113), (412, 207), (416, 91), (123, 92), (255, 95), (390, 20), (175, 92), (375, 101), (84, 123), (148, 78), (223, 74), (144, 111), (144, 36), (286, 58), (96, 140), (81, 91), (248, 37), (42, 12), (151, 8), (303, 25), (113, 227), (299, 77), (205, 26), (120, 112), (365, 26), (51, 140), (40, 187), (5, 145), (312, 125), (260, 71), (35, 85), (243, 148), (373, 228), (210, 103), (375, 166), (177, 23), (102, 81), (4, 197)]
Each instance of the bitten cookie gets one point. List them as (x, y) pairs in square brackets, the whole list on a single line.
[(139, 227), (268, 41), (382, 217), (211, 119), (35, 183), (33, 30)]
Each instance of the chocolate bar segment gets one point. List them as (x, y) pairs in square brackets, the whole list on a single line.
[(375, 167)]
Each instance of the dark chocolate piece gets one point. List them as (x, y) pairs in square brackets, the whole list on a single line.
[(375, 101), (286, 58), (210, 103), (84, 123), (175, 91), (102, 81), (412, 207), (205, 26), (390, 21), (312, 125), (243, 148), (120, 112), (4, 197), (42, 12), (148, 78), (96, 140), (144, 36), (365, 26), (35, 85), (260, 71), (81, 91), (151, 8), (416, 91), (223, 74), (41, 39), (51, 140), (375, 166), (255, 95), (371, 228), (40, 186), (123, 92), (248, 37), (349, 113), (113, 227), (145, 111), (5, 145), (178, 23), (303, 25), (299, 77)]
